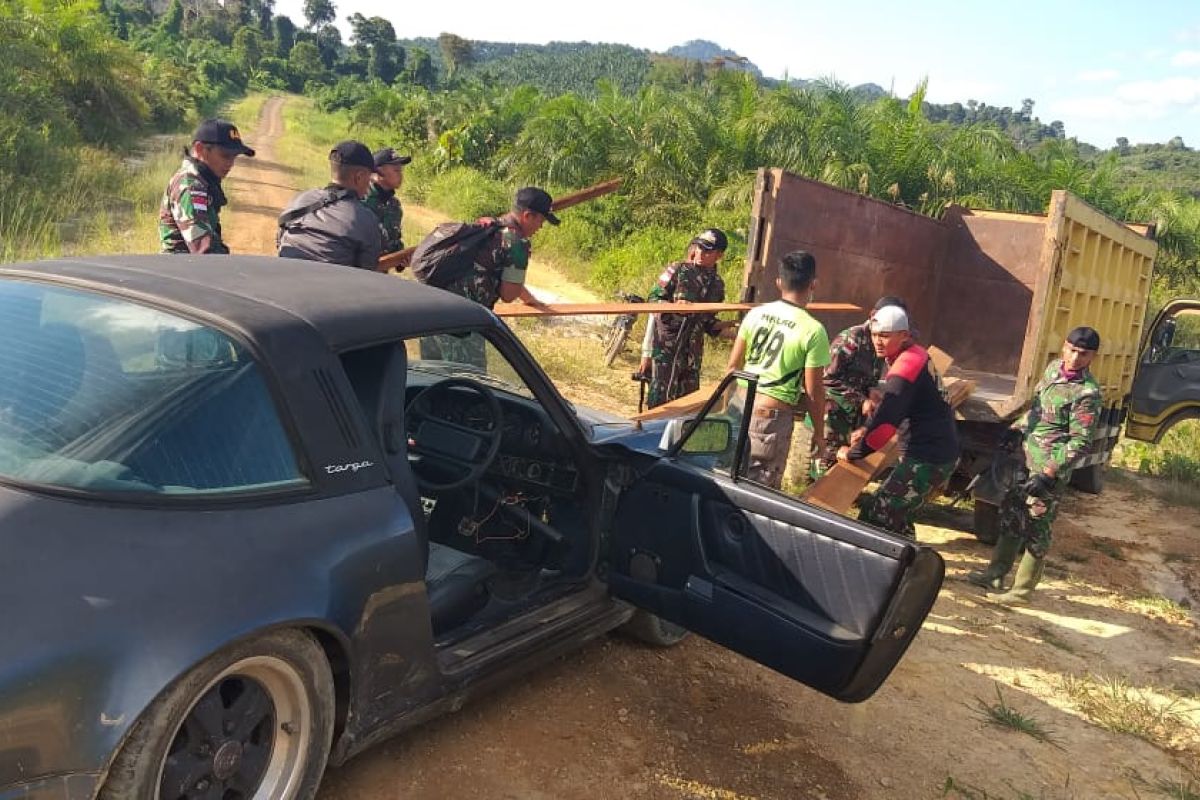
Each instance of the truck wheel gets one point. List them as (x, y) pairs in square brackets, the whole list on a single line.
[(253, 721), (987, 522), (652, 630), (1089, 479)]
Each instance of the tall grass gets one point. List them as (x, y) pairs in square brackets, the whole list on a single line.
[(1175, 461)]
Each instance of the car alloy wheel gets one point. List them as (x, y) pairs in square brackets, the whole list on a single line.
[(253, 721), (246, 738)]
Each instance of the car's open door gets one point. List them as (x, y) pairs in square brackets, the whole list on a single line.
[(823, 599), (1166, 389)]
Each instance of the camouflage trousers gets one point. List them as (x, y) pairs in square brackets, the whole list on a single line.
[(671, 378), (770, 441), (894, 503), (1030, 518), (470, 350), (842, 415)]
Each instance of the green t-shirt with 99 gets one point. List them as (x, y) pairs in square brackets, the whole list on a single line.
[(783, 340)]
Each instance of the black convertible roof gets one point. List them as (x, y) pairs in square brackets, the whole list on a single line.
[(260, 294)]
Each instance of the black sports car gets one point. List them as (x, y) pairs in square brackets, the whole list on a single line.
[(247, 528)]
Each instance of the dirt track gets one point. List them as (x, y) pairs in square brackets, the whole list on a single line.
[(623, 721)]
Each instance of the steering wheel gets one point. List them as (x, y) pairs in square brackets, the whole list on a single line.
[(448, 445)]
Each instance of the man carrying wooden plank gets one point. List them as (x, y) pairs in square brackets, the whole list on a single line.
[(912, 391), (788, 350), (854, 371)]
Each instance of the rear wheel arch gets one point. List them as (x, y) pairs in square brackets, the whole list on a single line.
[(334, 655)]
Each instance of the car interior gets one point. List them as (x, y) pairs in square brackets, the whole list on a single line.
[(502, 500)]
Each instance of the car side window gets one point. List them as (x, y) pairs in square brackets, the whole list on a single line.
[(107, 395)]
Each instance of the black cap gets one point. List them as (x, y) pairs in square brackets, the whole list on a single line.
[(1085, 338), (352, 154), (532, 198), (388, 155), (222, 133), (711, 239)]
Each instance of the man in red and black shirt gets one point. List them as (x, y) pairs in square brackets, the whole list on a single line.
[(912, 391)]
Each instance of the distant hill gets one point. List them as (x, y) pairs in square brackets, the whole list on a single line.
[(706, 51)]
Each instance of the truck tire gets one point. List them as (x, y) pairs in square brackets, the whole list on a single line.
[(254, 720), (1089, 479), (987, 522)]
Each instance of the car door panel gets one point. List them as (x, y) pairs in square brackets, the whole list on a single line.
[(820, 598), (1166, 389)]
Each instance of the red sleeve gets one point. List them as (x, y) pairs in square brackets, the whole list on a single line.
[(898, 392)]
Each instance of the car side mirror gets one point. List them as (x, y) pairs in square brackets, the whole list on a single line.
[(711, 436)]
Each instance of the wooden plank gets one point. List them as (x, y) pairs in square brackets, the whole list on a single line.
[(399, 260), (576, 309), (680, 406), (837, 489)]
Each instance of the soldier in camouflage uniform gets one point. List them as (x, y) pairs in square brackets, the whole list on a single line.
[(1056, 435), (498, 274), (853, 371), (381, 197), (189, 215), (673, 348), (912, 393)]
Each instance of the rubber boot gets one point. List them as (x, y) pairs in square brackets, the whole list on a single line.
[(1003, 556), (1028, 575)]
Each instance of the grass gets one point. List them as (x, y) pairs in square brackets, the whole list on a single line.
[(1108, 548), (307, 138), (1159, 607), (965, 791), (1114, 704), (1002, 715), (1182, 788), (1174, 463)]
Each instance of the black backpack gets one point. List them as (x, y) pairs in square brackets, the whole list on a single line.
[(449, 251)]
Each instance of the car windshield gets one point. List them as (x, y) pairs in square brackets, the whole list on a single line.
[(466, 355), (109, 395)]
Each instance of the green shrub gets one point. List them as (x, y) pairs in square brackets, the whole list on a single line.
[(465, 193)]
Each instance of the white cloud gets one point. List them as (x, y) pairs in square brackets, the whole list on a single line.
[(1161, 93), (1134, 100), (1098, 75), (1188, 35), (1186, 58)]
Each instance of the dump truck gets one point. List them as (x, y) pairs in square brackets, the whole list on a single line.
[(998, 291)]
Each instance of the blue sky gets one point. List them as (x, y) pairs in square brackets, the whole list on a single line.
[(1105, 68)]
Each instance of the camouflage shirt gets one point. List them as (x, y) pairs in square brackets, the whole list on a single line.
[(386, 207), (691, 283), (1058, 426), (853, 366), (190, 209), (504, 259)]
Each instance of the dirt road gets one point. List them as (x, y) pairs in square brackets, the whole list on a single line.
[(1111, 643)]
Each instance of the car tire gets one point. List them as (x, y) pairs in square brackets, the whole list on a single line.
[(1089, 479), (220, 724), (655, 631), (987, 522)]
